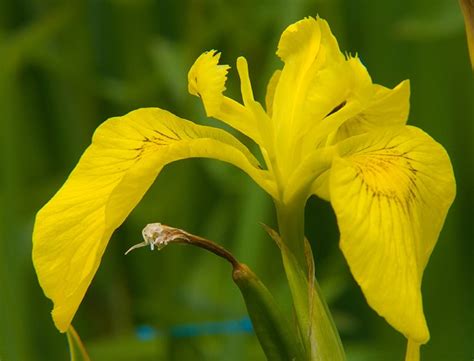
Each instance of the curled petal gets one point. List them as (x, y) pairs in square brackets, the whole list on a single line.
[(127, 153), (206, 79), (391, 191)]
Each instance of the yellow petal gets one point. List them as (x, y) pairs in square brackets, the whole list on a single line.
[(318, 90), (383, 108), (352, 103), (299, 48), (206, 79), (386, 107), (340, 92), (307, 49), (301, 39), (391, 191), (270, 95), (314, 168), (127, 153), (260, 126)]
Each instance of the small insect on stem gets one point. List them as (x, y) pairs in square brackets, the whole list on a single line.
[(158, 235)]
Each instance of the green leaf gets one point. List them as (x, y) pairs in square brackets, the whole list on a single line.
[(320, 337)]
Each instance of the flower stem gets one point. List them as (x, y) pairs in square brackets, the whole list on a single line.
[(318, 332)]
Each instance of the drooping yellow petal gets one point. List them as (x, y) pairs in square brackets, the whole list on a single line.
[(127, 153), (391, 191), (206, 79)]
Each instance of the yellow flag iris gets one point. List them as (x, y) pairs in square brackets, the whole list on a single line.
[(327, 130)]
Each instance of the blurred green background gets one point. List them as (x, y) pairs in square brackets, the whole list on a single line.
[(66, 66)]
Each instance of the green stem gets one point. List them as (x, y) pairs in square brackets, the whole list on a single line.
[(318, 332), (291, 229)]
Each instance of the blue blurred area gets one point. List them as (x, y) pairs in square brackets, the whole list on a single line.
[(146, 332)]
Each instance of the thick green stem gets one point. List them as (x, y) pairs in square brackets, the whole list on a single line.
[(319, 335), (291, 229)]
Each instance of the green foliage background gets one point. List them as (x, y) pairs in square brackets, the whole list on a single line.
[(66, 66)]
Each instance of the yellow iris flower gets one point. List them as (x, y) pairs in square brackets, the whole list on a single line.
[(327, 130)]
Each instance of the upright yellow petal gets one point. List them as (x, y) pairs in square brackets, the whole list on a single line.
[(300, 42), (391, 191), (318, 90), (334, 87), (127, 153), (299, 48)]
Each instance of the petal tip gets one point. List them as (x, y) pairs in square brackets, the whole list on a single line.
[(297, 36)]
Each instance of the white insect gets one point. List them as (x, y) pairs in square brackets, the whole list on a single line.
[(157, 235)]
